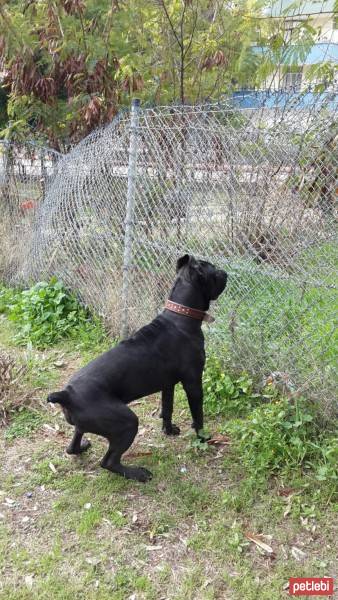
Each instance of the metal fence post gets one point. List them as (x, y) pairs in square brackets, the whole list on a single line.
[(129, 221)]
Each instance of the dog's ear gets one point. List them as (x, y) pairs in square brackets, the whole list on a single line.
[(182, 261)]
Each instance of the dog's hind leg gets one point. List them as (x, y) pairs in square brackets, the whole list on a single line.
[(122, 426), (77, 445), (167, 410)]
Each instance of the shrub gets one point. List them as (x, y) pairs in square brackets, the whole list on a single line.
[(46, 313), (282, 436), (225, 395), (7, 296)]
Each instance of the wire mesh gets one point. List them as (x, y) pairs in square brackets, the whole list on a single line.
[(26, 171), (253, 191)]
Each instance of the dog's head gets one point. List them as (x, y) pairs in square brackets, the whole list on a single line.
[(202, 274)]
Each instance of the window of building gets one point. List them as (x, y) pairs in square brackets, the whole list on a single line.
[(292, 79)]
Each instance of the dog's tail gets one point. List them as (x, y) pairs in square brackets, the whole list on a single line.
[(62, 398)]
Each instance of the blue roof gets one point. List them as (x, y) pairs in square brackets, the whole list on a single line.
[(319, 53), (279, 99), (322, 52), (290, 7)]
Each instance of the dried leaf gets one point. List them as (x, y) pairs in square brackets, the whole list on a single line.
[(285, 491), (257, 539), (92, 560), (29, 580), (59, 364), (219, 440), (297, 553), (137, 454), (287, 511)]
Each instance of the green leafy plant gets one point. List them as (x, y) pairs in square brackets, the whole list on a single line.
[(327, 467), (283, 436), (46, 313), (224, 394), (7, 296)]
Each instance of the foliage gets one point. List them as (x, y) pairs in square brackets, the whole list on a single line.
[(282, 436), (316, 181), (7, 296), (270, 434), (60, 66), (70, 64), (46, 313), (225, 395), (280, 315), (195, 53)]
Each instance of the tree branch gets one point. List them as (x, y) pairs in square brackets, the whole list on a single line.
[(162, 3)]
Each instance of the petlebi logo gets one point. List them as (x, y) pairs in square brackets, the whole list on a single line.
[(311, 586)]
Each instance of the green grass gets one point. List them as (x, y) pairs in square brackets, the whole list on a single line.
[(195, 520), (279, 323), (182, 536), (23, 424)]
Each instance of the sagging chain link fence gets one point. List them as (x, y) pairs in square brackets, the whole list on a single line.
[(253, 191), (26, 170)]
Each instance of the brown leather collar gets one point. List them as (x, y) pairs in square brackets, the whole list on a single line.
[(194, 313)]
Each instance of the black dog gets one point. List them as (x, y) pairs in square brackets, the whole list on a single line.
[(167, 351)]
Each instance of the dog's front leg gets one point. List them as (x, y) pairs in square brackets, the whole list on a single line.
[(167, 410), (194, 392)]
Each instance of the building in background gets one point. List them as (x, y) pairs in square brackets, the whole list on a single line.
[(322, 17), (291, 76)]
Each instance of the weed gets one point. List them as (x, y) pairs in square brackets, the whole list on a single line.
[(23, 424), (236, 541), (47, 313), (127, 581), (281, 437), (8, 296), (117, 518), (225, 395), (89, 519)]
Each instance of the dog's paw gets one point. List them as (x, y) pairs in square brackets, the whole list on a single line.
[(85, 444), (171, 429), (137, 473), (203, 436)]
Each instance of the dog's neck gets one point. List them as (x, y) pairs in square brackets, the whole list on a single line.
[(183, 292)]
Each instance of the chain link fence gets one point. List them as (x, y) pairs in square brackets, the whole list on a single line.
[(253, 191), (26, 170)]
